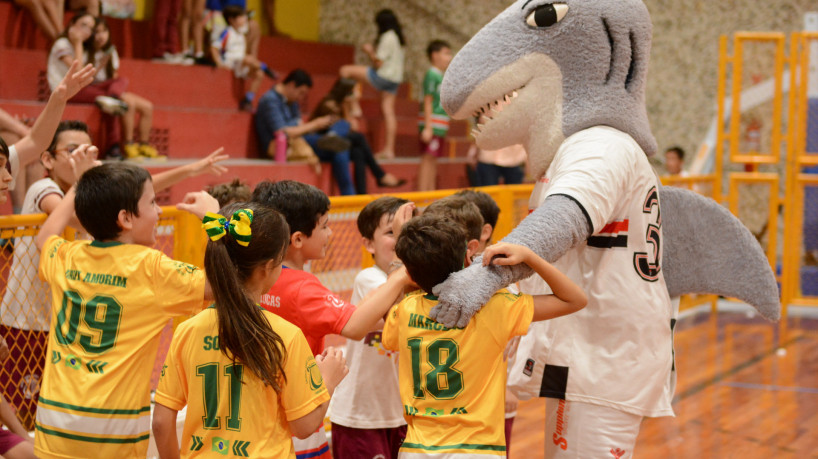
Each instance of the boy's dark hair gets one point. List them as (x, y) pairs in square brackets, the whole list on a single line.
[(460, 210), (227, 193), (231, 12), (678, 150), (370, 216), (489, 209), (435, 46), (301, 204), (67, 125), (105, 190), (300, 77), (432, 247)]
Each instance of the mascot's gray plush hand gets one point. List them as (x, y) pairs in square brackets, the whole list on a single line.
[(553, 228)]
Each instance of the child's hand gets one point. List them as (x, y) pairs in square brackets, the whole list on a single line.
[(199, 203), (210, 164), (402, 215), (83, 158), (333, 367), (426, 134), (505, 254), (76, 79), (511, 402)]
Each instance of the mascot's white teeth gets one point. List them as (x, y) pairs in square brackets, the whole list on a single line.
[(489, 111), (492, 109)]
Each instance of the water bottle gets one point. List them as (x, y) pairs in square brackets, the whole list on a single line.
[(281, 147)]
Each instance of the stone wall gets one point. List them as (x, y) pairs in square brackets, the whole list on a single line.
[(684, 60)]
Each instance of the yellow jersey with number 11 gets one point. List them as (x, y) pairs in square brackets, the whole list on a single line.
[(452, 380), (110, 304)]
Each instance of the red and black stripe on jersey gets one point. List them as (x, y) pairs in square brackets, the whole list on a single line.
[(614, 234)]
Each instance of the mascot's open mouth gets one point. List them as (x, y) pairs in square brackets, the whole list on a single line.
[(486, 113)]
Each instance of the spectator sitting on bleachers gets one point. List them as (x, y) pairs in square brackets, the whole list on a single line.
[(106, 95), (103, 55), (279, 112), (342, 101), (215, 22), (228, 48), (49, 14)]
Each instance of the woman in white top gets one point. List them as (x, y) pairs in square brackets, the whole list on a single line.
[(386, 72)]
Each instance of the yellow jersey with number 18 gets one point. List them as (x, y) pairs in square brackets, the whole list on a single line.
[(110, 303), (452, 380), (229, 409)]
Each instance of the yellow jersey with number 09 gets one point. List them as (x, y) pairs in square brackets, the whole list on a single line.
[(229, 409), (110, 304), (452, 380)]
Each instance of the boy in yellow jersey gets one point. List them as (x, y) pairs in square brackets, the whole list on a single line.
[(111, 299), (452, 381)]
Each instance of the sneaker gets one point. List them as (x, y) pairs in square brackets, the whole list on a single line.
[(332, 142), (132, 152), (150, 152), (113, 154), (111, 105), (246, 106)]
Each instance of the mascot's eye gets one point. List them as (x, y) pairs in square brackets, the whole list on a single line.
[(547, 15)]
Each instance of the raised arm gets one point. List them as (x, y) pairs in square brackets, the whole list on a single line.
[(40, 135), (207, 165), (553, 228), (567, 296)]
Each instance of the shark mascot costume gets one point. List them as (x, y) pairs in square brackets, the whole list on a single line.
[(567, 81)]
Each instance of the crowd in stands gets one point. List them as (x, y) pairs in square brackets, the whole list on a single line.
[(255, 381)]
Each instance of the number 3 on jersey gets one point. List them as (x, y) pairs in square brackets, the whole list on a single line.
[(443, 381), (647, 269), (101, 314)]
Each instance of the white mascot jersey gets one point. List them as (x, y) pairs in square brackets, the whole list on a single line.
[(611, 353)]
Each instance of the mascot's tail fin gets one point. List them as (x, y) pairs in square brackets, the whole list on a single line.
[(708, 250)]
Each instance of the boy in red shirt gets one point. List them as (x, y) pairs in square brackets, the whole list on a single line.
[(301, 299)]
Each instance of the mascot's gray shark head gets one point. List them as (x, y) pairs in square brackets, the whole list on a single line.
[(544, 70)]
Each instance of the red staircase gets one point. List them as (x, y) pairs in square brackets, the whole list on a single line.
[(196, 107)]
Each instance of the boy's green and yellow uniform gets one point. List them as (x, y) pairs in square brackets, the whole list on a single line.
[(231, 411), (452, 381), (110, 304)]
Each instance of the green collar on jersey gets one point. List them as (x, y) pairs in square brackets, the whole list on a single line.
[(429, 296), (105, 244)]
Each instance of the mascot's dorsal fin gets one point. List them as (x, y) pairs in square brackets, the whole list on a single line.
[(708, 250)]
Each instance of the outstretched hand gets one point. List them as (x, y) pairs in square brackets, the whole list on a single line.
[(463, 294), (199, 203), (210, 164), (77, 78)]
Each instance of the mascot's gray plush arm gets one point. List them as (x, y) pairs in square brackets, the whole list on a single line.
[(553, 228), (708, 250)]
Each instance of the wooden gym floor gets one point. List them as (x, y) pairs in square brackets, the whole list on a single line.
[(746, 389)]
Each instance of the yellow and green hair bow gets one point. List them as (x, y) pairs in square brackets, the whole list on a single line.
[(216, 226)]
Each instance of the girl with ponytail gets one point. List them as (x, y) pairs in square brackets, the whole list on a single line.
[(247, 376)]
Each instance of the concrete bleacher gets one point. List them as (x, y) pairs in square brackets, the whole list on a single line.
[(196, 107)]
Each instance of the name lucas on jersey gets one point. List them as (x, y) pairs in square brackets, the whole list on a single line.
[(97, 278)]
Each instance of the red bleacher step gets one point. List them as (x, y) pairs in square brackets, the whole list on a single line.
[(451, 174)]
